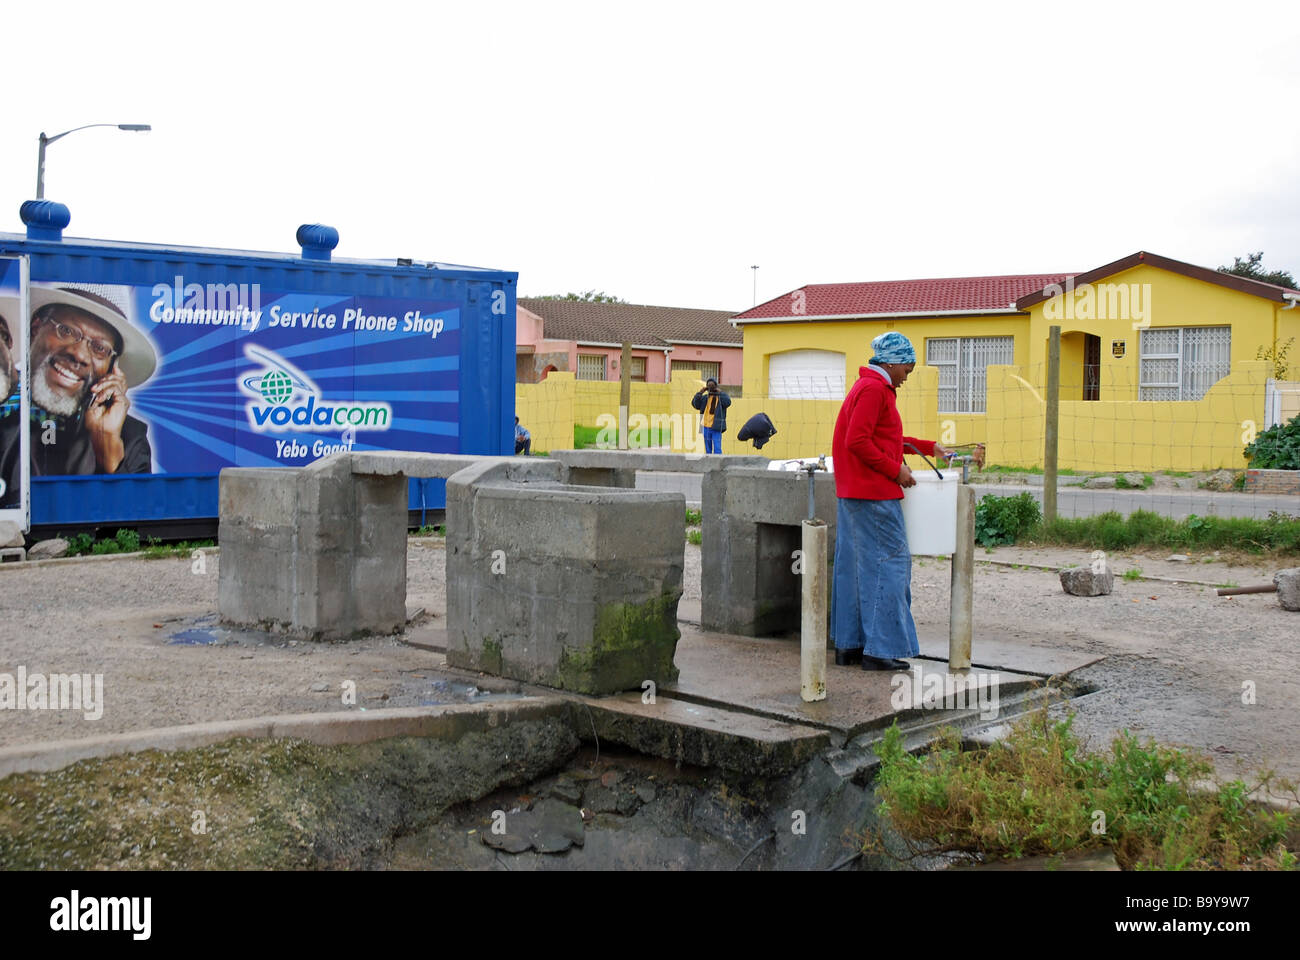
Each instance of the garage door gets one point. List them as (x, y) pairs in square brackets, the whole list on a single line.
[(806, 374)]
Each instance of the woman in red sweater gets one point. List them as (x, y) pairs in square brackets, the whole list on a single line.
[(871, 597)]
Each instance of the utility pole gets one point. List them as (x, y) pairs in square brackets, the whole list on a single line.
[(1050, 431), (755, 269)]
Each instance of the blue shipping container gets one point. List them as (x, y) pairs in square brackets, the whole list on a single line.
[(153, 367)]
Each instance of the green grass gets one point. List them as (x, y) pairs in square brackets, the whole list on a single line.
[(156, 550), (1175, 473), (1133, 573), (431, 530), (1038, 792), (1279, 534), (587, 437), (694, 536), (995, 468), (693, 517)]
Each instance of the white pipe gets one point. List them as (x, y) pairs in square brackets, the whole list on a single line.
[(1293, 297), (812, 635)]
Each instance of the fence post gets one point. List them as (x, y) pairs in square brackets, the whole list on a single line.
[(624, 393), (961, 599), (1053, 423)]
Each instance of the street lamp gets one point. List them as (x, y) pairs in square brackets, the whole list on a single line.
[(46, 141)]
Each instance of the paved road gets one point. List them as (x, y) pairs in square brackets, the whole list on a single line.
[(1072, 501)]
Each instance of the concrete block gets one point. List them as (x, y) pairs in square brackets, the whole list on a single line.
[(1288, 588), (752, 523), (570, 587)]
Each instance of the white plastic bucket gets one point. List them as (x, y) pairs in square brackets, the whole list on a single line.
[(930, 512)]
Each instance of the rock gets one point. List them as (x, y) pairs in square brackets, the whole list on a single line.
[(1178, 558), (1220, 480), (646, 792), (610, 777), (319, 687), (1084, 582), (620, 799), (1100, 483), (1288, 588), (567, 790), (550, 827), (1134, 479), (11, 535), (48, 549)]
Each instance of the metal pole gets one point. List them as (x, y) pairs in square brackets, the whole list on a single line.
[(624, 393), (40, 168), (755, 269), (812, 634), (1053, 423), (961, 601)]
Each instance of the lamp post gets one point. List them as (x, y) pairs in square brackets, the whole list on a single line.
[(754, 267), (46, 141)]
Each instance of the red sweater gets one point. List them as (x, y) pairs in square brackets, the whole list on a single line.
[(868, 445)]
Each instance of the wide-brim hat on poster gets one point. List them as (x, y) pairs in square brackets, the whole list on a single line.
[(112, 305)]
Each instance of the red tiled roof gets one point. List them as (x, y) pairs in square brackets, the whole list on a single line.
[(615, 322), (947, 295)]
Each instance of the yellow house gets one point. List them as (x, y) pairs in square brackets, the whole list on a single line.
[(1158, 365)]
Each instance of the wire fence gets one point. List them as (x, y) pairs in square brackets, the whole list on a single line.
[(1116, 450)]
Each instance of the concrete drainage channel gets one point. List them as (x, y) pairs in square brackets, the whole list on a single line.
[(530, 782)]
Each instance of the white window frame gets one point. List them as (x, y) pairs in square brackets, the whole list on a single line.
[(1187, 391), (970, 380)]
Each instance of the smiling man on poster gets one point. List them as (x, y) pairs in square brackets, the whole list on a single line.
[(83, 355)]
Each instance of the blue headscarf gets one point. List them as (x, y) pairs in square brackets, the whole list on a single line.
[(893, 347)]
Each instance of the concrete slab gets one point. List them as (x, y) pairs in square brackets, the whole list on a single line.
[(701, 735), (761, 676), (1012, 655)]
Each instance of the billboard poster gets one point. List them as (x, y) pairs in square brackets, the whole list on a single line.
[(13, 345), (187, 378)]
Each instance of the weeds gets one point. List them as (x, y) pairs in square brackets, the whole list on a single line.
[(694, 536), (1005, 519), (1133, 573), (1038, 792), (693, 517)]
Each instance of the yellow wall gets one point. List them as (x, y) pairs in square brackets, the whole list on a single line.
[(594, 398), (545, 410), (804, 428)]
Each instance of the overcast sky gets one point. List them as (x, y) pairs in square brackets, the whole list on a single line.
[(657, 151)]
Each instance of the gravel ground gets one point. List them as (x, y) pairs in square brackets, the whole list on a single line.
[(1177, 655)]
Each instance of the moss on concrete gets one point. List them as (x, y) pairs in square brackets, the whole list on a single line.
[(631, 643)]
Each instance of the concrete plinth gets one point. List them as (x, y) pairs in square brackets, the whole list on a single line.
[(570, 587), (573, 587), (321, 550), (751, 531)]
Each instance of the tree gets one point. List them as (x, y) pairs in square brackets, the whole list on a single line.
[(1250, 267), (587, 296)]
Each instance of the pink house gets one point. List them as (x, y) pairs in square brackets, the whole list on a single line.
[(587, 338)]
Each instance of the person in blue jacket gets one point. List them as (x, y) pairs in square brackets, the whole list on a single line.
[(712, 404)]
